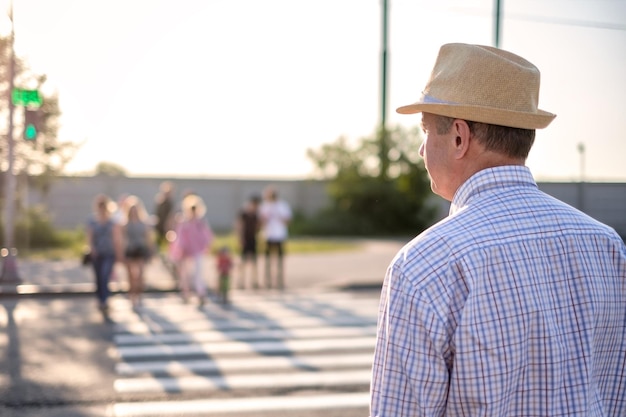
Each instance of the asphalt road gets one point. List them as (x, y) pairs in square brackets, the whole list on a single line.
[(54, 358), (56, 350)]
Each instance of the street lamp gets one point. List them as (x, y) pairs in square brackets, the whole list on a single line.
[(581, 151)]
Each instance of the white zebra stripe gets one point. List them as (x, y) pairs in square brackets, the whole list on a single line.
[(232, 348), (241, 405), (234, 382), (224, 365), (244, 335)]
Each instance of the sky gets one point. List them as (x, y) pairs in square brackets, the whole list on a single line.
[(242, 88)]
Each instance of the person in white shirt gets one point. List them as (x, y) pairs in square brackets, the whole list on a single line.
[(275, 216)]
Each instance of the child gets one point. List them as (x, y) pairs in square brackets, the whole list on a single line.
[(224, 266)]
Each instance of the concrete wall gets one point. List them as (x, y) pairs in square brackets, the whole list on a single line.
[(70, 198), (69, 201), (605, 202)]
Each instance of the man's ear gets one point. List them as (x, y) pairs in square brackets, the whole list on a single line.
[(462, 133)]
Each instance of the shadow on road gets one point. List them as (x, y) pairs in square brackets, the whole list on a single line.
[(52, 357)]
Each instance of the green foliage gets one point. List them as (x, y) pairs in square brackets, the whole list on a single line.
[(34, 230), (45, 156), (48, 155), (366, 201), (110, 169)]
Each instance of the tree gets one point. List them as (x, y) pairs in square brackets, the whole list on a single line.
[(41, 160), (364, 202), (110, 169)]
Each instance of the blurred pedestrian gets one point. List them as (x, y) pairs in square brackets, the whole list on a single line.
[(192, 241), (164, 212), (275, 215), (139, 246), (104, 238), (119, 211), (224, 266), (247, 227), (164, 220)]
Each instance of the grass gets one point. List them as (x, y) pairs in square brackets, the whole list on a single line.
[(298, 244), (293, 245), (313, 245)]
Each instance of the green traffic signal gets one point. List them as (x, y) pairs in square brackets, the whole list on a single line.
[(32, 122), (30, 132)]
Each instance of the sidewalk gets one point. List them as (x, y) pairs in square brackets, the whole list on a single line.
[(361, 268)]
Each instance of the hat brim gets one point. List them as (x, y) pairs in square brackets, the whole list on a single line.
[(510, 118)]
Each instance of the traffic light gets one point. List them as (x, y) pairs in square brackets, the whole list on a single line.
[(32, 124)]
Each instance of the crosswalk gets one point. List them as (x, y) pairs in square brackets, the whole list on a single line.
[(263, 353)]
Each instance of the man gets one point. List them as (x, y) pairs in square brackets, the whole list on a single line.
[(247, 227), (275, 216), (164, 212), (515, 304)]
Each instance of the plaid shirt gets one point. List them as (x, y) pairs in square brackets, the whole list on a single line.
[(514, 305)]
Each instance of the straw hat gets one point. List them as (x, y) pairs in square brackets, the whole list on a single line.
[(483, 84), (191, 201)]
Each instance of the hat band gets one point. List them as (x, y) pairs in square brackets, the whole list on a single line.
[(426, 99)]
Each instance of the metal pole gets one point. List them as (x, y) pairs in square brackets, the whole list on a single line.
[(384, 162), (9, 264), (581, 183), (497, 20), (383, 99)]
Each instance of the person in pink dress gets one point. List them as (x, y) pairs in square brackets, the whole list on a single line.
[(193, 240)]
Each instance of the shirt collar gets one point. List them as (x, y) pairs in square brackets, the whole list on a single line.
[(489, 179)]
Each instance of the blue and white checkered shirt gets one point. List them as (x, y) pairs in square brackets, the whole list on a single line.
[(514, 305)]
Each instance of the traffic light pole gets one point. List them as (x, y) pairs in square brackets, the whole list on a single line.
[(9, 253)]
